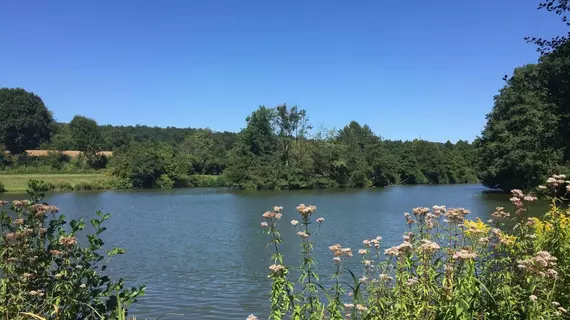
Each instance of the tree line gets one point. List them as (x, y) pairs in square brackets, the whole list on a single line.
[(277, 150)]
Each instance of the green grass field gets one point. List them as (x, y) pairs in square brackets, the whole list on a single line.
[(18, 182)]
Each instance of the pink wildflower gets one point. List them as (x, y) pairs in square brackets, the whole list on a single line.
[(303, 234)]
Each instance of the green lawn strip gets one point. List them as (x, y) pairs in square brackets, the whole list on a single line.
[(18, 182)]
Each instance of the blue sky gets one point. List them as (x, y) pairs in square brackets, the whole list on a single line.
[(405, 68)]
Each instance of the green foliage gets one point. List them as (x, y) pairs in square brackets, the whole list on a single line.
[(25, 120), (99, 184), (208, 156), (2, 187), (150, 164), (163, 182), (528, 132), (447, 267), (274, 152), (545, 46), (40, 185), (53, 162), (46, 273), (89, 185), (57, 160), (521, 145), (113, 137), (85, 134), (63, 186), (206, 181)]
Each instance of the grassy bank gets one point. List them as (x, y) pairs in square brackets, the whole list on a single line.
[(19, 182), (88, 181)]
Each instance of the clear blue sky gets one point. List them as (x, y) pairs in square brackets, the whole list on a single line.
[(405, 68)]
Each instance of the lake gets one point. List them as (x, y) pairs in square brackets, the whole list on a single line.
[(201, 252)]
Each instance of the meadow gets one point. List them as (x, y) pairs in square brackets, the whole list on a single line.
[(19, 182)]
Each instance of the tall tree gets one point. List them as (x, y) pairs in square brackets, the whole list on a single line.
[(24, 120), (85, 134), (208, 155), (516, 147)]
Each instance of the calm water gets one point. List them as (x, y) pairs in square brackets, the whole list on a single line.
[(201, 253)]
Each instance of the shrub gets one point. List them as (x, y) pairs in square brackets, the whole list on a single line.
[(207, 181), (91, 185), (40, 185), (118, 183), (6, 160), (447, 267), (47, 274), (145, 164), (97, 161), (80, 162), (2, 187), (63, 186), (56, 160), (163, 182)]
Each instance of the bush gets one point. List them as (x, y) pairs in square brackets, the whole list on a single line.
[(56, 160), (6, 160), (63, 186), (47, 273), (118, 183), (97, 161), (206, 181), (163, 182), (447, 267), (92, 185), (145, 165), (2, 187), (40, 185)]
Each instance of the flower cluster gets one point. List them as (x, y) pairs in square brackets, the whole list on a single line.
[(373, 242), (542, 264), (339, 252), (438, 210), (399, 249), (456, 215), (475, 228), (67, 241), (276, 268), (41, 210), (429, 246), (420, 211), (517, 200), (464, 254), (21, 203), (556, 180), (500, 214), (306, 211), (271, 217), (303, 234)]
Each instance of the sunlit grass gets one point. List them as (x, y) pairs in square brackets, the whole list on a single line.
[(18, 182)]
